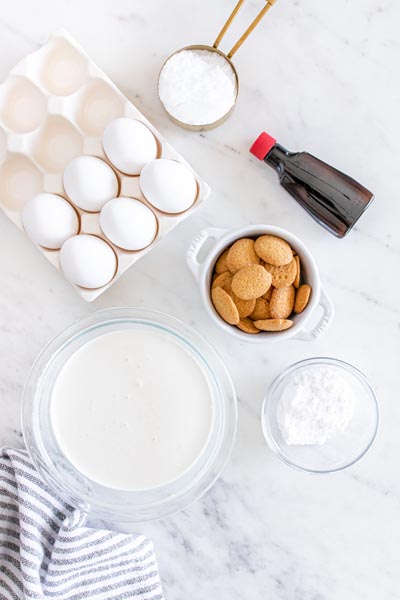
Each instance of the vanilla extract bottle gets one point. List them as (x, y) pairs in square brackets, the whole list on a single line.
[(333, 199)]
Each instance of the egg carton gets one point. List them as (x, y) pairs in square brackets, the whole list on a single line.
[(54, 106)]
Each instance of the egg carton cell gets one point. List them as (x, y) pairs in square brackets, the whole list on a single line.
[(20, 179), (64, 69), (56, 144), (23, 106), (98, 105)]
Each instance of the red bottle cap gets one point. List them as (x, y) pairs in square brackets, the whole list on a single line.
[(263, 145)]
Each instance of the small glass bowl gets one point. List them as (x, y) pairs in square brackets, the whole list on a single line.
[(61, 475), (342, 450)]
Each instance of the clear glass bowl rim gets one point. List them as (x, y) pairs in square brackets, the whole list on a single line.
[(175, 502), (265, 411)]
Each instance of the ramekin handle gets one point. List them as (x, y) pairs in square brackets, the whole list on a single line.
[(197, 244), (323, 324)]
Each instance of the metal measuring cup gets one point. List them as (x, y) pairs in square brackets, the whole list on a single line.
[(227, 57)]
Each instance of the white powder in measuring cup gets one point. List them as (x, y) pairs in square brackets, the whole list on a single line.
[(197, 87), (316, 405)]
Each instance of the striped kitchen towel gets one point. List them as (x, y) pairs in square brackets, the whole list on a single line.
[(46, 552)]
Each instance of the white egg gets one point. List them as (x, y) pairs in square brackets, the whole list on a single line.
[(128, 223), (49, 220), (88, 261), (89, 182), (129, 145), (168, 185)]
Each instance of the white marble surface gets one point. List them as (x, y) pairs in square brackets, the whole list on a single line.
[(322, 76)]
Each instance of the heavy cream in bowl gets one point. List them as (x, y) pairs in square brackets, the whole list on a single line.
[(129, 414), (144, 408)]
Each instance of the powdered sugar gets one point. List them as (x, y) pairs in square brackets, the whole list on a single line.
[(197, 87), (316, 405)]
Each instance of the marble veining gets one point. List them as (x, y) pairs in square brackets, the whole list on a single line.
[(321, 76)]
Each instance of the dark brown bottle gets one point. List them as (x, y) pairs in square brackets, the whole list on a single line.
[(333, 199)]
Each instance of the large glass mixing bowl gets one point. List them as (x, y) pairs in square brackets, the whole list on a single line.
[(96, 499)]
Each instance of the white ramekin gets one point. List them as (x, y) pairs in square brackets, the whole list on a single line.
[(221, 239)]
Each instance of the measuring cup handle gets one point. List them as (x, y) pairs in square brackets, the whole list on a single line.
[(251, 27), (197, 244), (323, 324)]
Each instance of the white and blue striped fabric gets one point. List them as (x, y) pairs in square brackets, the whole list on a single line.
[(47, 553)]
